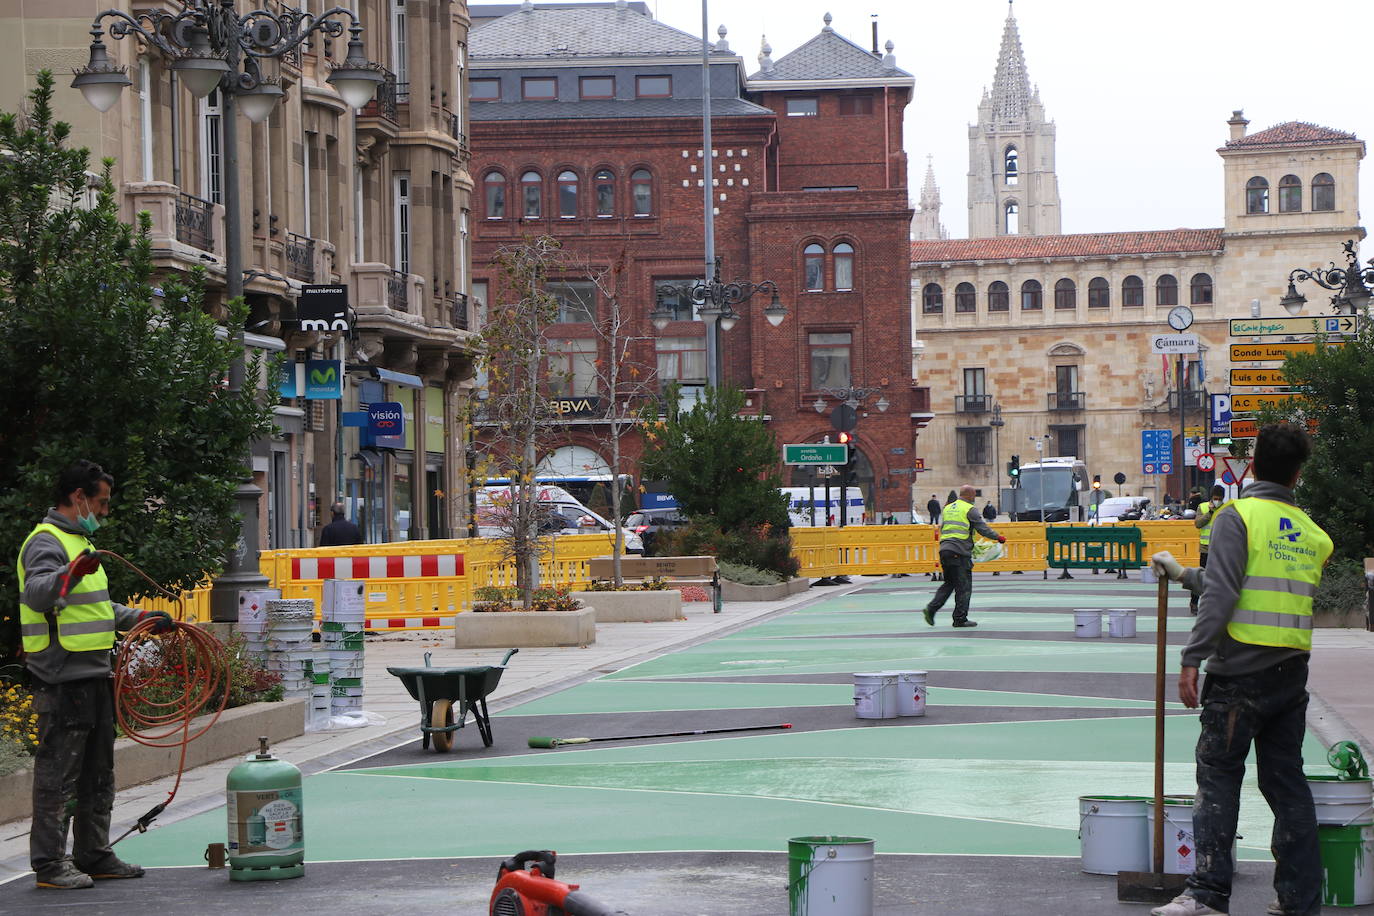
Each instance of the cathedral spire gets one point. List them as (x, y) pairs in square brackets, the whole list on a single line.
[(930, 194), (926, 223), (1011, 90)]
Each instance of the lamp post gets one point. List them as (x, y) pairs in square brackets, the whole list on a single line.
[(997, 423), (851, 397), (1350, 283), (212, 47)]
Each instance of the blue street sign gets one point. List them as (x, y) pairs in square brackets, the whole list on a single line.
[(1156, 451), (1220, 414)]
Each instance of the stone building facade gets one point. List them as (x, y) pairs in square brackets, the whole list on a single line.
[(376, 199)]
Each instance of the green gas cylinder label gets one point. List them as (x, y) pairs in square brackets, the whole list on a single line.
[(265, 823)]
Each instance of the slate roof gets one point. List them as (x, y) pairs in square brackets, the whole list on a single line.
[(1088, 245), (578, 31), (829, 56), (612, 108), (1291, 133)]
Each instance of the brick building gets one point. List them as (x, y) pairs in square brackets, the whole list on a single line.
[(587, 127)]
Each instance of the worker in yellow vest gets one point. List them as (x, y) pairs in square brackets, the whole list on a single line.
[(67, 625), (1206, 512), (1254, 628), (956, 556)]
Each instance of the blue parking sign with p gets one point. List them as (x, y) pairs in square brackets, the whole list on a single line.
[(1219, 415)]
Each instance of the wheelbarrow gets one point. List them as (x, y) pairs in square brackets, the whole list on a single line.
[(439, 690)]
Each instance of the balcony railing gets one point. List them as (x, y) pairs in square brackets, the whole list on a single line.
[(383, 104), (397, 297), (193, 221), (972, 403), (1193, 399), (300, 257), (459, 314), (1066, 400)]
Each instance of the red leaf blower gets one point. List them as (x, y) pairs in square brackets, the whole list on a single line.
[(525, 887)]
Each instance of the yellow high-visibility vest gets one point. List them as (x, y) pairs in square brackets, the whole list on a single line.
[(1283, 568), (87, 622), (1204, 535), (954, 521)]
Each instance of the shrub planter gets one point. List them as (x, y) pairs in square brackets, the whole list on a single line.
[(524, 629), (733, 591), (1353, 618), (235, 733), (633, 607)]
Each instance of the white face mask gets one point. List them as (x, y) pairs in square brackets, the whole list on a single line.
[(1216, 503)]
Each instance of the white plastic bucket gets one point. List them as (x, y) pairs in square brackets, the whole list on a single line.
[(875, 695), (911, 692), (1087, 623), (1112, 834), (830, 876), (1342, 802), (1121, 622)]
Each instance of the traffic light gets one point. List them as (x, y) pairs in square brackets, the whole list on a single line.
[(1014, 468), (844, 438), (1097, 481)]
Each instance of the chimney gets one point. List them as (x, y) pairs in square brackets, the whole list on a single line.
[(875, 34), (1238, 124)]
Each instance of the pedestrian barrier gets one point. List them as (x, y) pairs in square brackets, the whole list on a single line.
[(1094, 548)]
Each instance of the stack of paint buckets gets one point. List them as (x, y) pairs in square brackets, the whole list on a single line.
[(1087, 623), (252, 624), (1345, 826), (1116, 834), (341, 627), (290, 650), (889, 694)]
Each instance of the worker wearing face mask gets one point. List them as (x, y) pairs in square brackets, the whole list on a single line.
[(1205, 514)]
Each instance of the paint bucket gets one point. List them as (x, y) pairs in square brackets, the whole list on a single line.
[(830, 876), (1342, 802), (1112, 834), (1347, 864), (875, 695), (1087, 623), (911, 692), (1180, 851), (1121, 622), (1148, 574)]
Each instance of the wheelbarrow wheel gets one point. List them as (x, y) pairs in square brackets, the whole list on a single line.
[(441, 716)]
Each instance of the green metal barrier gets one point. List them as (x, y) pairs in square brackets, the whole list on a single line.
[(1095, 548)]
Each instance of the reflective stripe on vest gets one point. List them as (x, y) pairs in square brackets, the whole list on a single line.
[(1285, 554), (87, 623), (954, 523)]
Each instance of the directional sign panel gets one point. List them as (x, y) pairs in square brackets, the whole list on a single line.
[(1248, 429), (1269, 327), (1242, 378), (815, 454), (1249, 403), (1173, 343), (1241, 353)]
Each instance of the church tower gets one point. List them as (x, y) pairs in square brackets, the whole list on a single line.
[(926, 223), (1012, 186)]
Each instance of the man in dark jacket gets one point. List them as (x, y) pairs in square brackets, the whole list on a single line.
[(340, 532), (933, 509)]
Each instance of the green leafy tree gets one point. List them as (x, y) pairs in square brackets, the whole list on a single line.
[(101, 365)]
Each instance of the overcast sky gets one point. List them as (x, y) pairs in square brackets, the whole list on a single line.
[(1140, 91)]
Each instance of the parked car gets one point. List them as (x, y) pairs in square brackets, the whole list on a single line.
[(561, 514), (1120, 509), (647, 523)]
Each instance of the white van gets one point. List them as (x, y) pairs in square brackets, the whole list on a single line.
[(801, 501), (562, 515)]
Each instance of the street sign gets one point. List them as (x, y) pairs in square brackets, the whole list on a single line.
[(1236, 469), (1173, 343), (1219, 414), (1156, 449), (815, 453), (1249, 403), (1241, 353), (1274, 327), (1248, 429), (1241, 378), (1206, 461)]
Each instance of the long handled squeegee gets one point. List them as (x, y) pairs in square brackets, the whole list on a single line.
[(559, 742)]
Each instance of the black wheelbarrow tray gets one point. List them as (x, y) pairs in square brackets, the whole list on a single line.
[(440, 689)]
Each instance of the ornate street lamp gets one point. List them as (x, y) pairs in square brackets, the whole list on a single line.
[(212, 47), (1351, 284)]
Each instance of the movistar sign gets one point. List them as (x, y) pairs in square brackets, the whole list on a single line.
[(324, 379)]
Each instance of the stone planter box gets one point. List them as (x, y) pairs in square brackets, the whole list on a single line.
[(1354, 619), (733, 591), (524, 629), (633, 607), (235, 733)]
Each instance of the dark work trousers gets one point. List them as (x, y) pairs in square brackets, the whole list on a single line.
[(958, 569), (1267, 707), (1192, 602), (73, 773)]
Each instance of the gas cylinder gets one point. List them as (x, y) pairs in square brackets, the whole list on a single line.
[(266, 826)]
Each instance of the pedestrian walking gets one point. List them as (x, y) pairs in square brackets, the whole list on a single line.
[(989, 512), (1254, 628), (1206, 512), (956, 556), (67, 653), (933, 509), (340, 532)]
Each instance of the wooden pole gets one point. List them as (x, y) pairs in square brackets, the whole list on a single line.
[(1161, 641)]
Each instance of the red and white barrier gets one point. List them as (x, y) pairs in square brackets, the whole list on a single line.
[(393, 567)]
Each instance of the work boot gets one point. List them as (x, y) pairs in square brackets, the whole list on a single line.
[(1274, 908), (64, 876), (929, 615), (114, 867), (966, 623), (1184, 905)]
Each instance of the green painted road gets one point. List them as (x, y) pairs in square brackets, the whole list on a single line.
[(994, 770)]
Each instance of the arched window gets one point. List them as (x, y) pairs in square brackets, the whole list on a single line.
[(813, 267), (604, 187), (844, 266), (965, 298), (567, 194), (1099, 293), (494, 188), (642, 192), (932, 299), (1201, 287), (1065, 294), (532, 194), (1257, 195), (1013, 215), (1011, 173), (1323, 192), (1032, 296), (999, 297), (1290, 194), (1166, 290), (1132, 291)]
